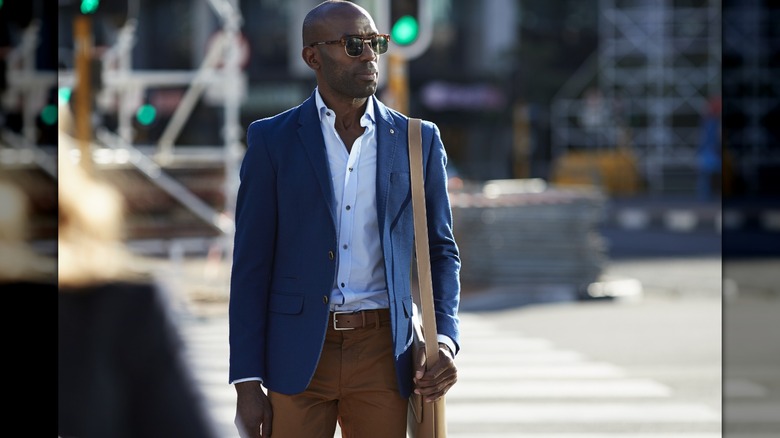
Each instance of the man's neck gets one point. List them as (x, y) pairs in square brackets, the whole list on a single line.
[(348, 111)]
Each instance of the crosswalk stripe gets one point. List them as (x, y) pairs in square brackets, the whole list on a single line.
[(558, 389), (741, 388), (752, 412), (504, 343), (535, 371), (591, 412), (582, 435), (521, 358), (219, 396)]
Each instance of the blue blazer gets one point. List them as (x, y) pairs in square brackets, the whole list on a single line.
[(284, 259)]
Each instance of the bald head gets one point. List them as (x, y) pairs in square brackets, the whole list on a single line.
[(317, 25)]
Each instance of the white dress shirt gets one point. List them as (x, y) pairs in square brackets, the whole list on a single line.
[(360, 275)]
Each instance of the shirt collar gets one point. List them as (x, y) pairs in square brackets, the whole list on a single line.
[(322, 108)]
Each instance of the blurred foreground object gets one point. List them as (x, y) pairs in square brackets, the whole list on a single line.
[(19, 262), (121, 369), (751, 218)]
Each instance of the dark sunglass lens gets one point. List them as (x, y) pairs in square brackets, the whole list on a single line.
[(354, 46), (379, 44)]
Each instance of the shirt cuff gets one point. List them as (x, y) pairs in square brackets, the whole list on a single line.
[(248, 379), (444, 339)]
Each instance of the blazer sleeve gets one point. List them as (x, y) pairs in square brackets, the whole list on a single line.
[(252, 258), (445, 258)]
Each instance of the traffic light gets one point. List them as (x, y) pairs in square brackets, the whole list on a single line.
[(49, 114), (64, 94), (146, 114), (89, 6), (410, 27), (404, 21)]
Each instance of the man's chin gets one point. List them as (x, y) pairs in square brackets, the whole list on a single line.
[(366, 91), (371, 89)]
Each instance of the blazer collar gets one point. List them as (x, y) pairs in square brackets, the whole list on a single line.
[(391, 141)]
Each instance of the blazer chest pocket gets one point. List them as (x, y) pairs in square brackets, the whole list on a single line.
[(399, 196), (400, 181), (286, 303)]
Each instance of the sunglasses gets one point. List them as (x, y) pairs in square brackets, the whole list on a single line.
[(353, 44)]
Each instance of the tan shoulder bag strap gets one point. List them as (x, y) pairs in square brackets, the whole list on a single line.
[(421, 243)]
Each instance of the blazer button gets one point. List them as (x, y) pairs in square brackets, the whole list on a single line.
[(330, 255), (325, 299)]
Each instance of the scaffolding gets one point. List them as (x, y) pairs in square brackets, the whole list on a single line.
[(219, 72), (750, 81), (646, 87), (26, 92)]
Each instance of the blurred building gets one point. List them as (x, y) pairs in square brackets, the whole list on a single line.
[(28, 113), (751, 133), (644, 92), (751, 86), (604, 92)]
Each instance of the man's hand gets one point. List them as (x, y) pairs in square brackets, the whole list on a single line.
[(253, 411), (435, 382)]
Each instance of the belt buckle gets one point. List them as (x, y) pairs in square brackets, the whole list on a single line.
[(335, 327)]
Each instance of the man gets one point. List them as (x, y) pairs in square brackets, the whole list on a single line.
[(320, 300)]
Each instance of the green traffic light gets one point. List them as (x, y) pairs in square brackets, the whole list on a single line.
[(146, 114), (89, 6), (64, 94), (49, 114), (405, 30)]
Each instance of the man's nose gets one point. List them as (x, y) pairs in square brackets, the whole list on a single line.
[(370, 49)]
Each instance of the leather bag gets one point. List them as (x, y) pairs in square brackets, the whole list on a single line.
[(424, 420)]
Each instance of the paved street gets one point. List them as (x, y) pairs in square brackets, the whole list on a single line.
[(513, 383), (539, 364), (751, 353), (641, 366)]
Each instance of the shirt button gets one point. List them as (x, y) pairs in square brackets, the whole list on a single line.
[(392, 131), (345, 246), (327, 113), (348, 207), (330, 255), (342, 284), (350, 169)]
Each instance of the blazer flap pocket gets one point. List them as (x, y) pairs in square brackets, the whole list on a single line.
[(285, 303), (408, 306)]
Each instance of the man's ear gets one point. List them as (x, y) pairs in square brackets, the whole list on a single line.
[(311, 57)]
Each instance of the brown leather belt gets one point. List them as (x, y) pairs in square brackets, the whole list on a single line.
[(361, 319)]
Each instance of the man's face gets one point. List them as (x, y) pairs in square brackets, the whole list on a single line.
[(353, 77)]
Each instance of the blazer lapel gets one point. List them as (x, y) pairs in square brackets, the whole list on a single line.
[(388, 136), (310, 135)]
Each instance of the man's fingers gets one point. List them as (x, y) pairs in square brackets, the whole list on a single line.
[(440, 370), (438, 380), (434, 392), (253, 411), (420, 360), (268, 417), (249, 428)]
